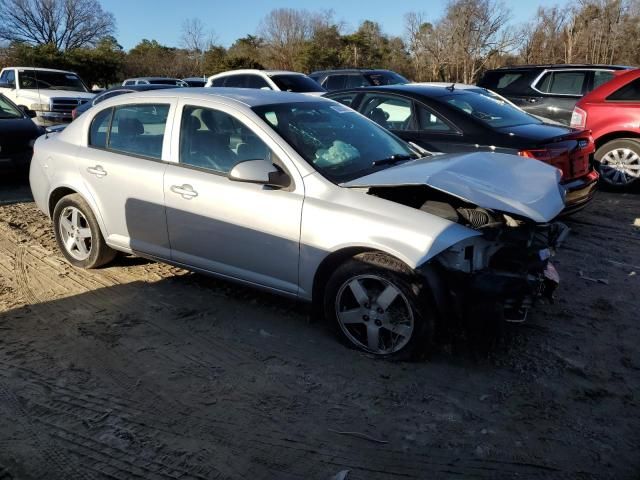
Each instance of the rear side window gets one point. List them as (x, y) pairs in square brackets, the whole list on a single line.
[(256, 81), (389, 112), (629, 93), (562, 83), (237, 81), (335, 82), (507, 79), (99, 131), (218, 82), (600, 77), (355, 81), (132, 129)]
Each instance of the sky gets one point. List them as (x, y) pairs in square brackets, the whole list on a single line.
[(162, 20)]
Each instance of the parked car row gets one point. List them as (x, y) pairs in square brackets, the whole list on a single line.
[(442, 199)]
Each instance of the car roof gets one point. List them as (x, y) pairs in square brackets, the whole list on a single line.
[(351, 70), (140, 88), (244, 71), (43, 69), (193, 79), (151, 78), (411, 88), (249, 97), (562, 66)]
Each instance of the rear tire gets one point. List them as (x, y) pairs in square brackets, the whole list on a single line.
[(618, 163), (78, 234), (377, 304)]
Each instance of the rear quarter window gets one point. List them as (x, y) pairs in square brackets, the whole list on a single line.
[(629, 93)]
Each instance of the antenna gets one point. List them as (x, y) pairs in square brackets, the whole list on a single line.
[(451, 87)]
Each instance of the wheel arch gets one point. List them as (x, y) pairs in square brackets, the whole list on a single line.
[(62, 191), (617, 135)]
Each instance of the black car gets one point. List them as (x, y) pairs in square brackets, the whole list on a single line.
[(356, 77), (549, 91), (114, 92), (468, 119), (17, 136)]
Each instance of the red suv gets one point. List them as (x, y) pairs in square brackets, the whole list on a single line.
[(612, 113)]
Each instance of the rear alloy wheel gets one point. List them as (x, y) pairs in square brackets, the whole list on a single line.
[(376, 303), (78, 234), (618, 163)]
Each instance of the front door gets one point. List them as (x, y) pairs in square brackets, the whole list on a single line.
[(239, 230)]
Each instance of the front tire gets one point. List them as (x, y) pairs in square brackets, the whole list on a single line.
[(618, 163), (78, 235), (379, 305)]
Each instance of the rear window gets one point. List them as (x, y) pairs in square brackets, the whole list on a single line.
[(562, 83), (492, 111), (514, 82), (630, 92), (385, 78), (296, 83)]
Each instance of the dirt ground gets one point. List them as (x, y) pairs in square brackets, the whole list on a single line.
[(142, 370)]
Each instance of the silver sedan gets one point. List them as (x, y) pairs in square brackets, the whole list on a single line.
[(304, 197)]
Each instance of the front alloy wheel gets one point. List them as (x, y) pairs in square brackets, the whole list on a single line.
[(374, 314), (379, 305)]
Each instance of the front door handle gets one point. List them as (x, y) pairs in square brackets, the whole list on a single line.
[(98, 171), (532, 100), (186, 191)]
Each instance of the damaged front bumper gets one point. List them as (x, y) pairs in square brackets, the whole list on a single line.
[(504, 276)]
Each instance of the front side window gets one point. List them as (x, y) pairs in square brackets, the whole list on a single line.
[(134, 129), (236, 81), (216, 141), (218, 82), (394, 113), (46, 80), (334, 139), (562, 83), (629, 93), (492, 111), (356, 81), (335, 82), (256, 81), (8, 110), (429, 121)]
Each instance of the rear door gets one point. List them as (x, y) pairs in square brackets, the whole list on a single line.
[(123, 168), (559, 91)]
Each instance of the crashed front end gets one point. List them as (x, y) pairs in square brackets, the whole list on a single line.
[(505, 270)]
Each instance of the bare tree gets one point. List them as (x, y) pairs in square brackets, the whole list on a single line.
[(196, 41), (65, 24), (285, 31)]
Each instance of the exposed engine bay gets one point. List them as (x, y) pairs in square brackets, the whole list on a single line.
[(508, 266)]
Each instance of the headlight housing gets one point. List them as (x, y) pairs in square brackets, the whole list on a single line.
[(40, 107)]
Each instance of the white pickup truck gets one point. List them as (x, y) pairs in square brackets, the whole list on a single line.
[(52, 94)]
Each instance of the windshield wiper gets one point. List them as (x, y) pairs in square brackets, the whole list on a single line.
[(393, 159)]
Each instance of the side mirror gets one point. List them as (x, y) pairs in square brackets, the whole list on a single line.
[(4, 84), (262, 172), (27, 112)]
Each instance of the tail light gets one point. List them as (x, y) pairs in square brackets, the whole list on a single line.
[(558, 157), (74, 114), (578, 118)]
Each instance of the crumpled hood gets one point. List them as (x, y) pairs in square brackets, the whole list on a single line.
[(497, 181)]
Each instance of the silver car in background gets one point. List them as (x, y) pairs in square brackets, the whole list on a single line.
[(304, 197)]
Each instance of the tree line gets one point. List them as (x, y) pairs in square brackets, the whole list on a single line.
[(468, 38)]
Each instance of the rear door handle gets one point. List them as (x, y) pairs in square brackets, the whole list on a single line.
[(98, 171), (186, 191)]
